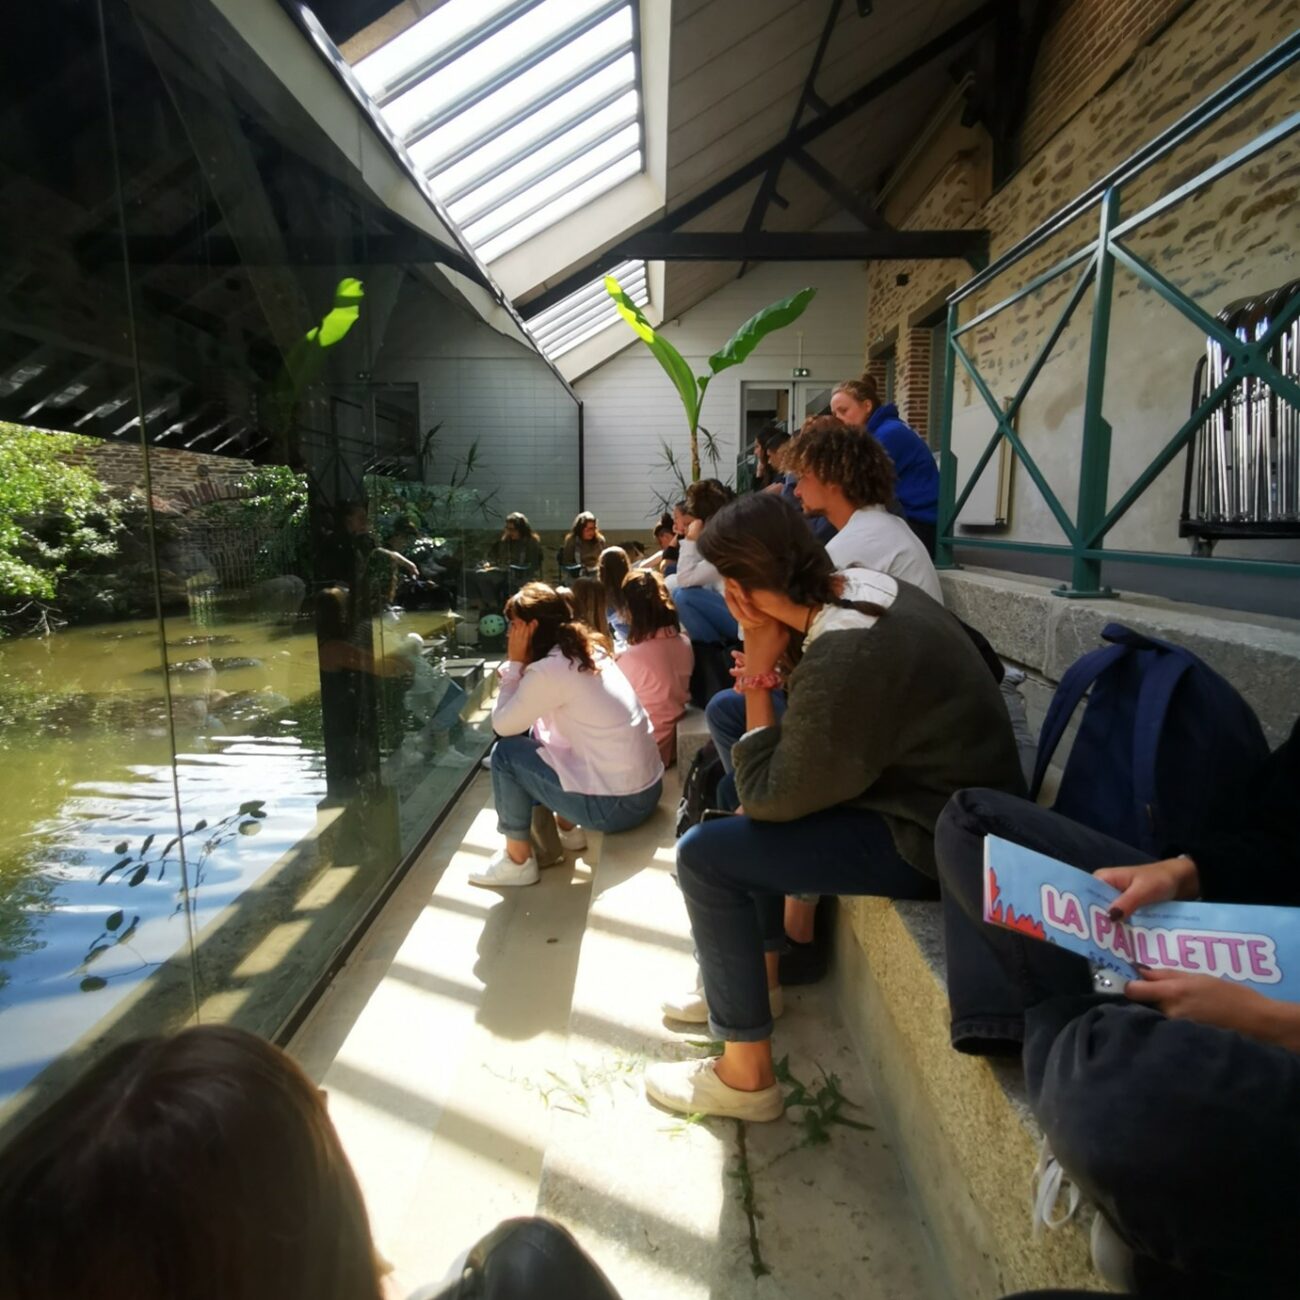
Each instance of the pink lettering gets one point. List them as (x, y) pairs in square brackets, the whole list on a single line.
[(1123, 945), (1234, 946), (1162, 947), (1260, 954), (1102, 926), (1063, 912), (1186, 958), (1142, 942)]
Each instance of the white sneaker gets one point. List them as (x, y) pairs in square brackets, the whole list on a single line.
[(1112, 1256), (693, 1088), (501, 870), (574, 841), (692, 1008)]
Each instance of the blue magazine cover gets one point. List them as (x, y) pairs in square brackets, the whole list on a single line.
[(1045, 899)]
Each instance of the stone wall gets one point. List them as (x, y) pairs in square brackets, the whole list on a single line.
[(1112, 74)]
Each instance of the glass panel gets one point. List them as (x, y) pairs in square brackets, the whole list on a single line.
[(763, 404), (248, 555), (814, 399)]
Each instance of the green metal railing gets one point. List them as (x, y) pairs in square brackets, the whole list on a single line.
[(1086, 531)]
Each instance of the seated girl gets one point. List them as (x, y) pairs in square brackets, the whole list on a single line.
[(658, 658), (697, 585), (614, 567), (587, 597), (890, 710), (574, 737)]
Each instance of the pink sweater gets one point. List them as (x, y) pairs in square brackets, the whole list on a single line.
[(660, 673)]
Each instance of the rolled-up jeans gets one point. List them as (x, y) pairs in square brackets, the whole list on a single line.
[(521, 778), (726, 866)]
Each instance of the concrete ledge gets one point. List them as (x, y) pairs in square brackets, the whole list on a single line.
[(692, 735), (1026, 623), (964, 1134)]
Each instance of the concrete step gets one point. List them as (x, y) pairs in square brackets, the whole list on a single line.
[(714, 1208), (966, 1137)]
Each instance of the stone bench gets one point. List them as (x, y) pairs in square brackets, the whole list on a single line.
[(962, 1127)]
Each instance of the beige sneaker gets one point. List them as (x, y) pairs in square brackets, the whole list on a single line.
[(692, 1009), (693, 1088)]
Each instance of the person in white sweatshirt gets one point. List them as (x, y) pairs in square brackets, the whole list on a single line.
[(697, 585), (574, 738), (846, 476)]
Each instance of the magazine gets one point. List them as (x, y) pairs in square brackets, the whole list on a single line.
[(1038, 896)]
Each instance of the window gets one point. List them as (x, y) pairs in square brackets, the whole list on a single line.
[(518, 111), (587, 311)]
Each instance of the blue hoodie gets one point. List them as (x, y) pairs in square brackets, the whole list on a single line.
[(917, 488)]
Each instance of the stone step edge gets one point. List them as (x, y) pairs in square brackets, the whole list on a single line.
[(965, 1136)]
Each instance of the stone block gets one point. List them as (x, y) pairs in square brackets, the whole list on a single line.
[(1014, 613), (963, 1131)]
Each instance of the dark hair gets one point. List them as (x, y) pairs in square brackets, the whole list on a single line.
[(587, 601), (613, 567), (332, 607), (650, 608), (203, 1165), (520, 524), (835, 453), (772, 438), (863, 389), (762, 542), (705, 498), (581, 521), (633, 549), (556, 625)]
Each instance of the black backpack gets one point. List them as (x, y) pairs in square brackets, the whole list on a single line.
[(711, 672), (700, 789)]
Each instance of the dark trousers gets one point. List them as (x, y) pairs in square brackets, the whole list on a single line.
[(726, 866), (995, 975), (926, 531), (1186, 1136)]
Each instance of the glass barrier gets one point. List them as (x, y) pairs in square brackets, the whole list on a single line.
[(257, 456)]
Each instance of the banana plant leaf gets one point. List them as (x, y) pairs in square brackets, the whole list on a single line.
[(757, 328), (672, 361)]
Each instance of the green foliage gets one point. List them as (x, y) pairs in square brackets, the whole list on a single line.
[(690, 387), (54, 515), (271, 504)]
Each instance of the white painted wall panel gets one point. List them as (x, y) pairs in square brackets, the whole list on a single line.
[(631, 406)]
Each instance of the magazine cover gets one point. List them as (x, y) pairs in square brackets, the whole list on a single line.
[(1045, 899)]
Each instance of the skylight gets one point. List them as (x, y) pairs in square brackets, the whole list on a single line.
[(518, 111), (587, 311)]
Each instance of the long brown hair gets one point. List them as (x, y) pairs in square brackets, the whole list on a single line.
[(587, 599), (614, 567), (556, 625), (203, 1165), (522, 529), (650, 608), (762, 542)]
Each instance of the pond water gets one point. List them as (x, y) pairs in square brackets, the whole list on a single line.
[(121, 840)]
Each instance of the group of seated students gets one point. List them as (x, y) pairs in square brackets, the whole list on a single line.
[(868, 752)]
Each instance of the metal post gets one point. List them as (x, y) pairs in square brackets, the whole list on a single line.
[(1094, 464), (947, 461)]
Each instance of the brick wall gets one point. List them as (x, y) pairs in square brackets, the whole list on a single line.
[(1235, 238), (181, 477)]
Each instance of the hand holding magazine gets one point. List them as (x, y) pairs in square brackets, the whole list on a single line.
[(1043, 898)]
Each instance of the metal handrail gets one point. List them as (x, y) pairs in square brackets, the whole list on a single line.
[(1086, 530)]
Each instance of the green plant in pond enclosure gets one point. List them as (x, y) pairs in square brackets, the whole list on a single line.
[(691, 387), (55, 516)]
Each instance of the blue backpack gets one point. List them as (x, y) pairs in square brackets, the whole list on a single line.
[(1163, 743)]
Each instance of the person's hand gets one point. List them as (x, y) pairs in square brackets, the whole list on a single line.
[(519, 640), (694, 529), (1151, 882), (409, 565), (1208, 1000), (737, 663), (766, 638)]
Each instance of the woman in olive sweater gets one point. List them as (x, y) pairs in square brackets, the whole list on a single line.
[(891, 711)]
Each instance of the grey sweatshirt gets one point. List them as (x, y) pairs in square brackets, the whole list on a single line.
[(894, 718)]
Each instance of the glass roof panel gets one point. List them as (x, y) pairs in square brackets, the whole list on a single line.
[(512, 108), (588, 310)]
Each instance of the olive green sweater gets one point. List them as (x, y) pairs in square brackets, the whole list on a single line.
[(893, 718)]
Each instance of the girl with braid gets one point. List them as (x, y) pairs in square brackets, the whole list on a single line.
[(890, 712)]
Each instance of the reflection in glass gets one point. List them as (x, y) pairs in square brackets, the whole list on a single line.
[(255, 456)]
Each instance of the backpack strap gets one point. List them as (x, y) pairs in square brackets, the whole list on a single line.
[(1072, 688), (1158, 686)]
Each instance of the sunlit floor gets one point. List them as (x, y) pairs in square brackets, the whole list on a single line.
[(482, 1052)]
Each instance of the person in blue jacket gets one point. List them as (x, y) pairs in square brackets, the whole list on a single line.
[(857, 402)]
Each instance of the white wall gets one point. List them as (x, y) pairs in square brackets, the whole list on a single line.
[(631, 406), (483, 387)]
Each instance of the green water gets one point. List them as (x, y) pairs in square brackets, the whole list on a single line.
[(91, 778)]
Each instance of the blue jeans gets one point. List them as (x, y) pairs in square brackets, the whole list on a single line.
[(522, 778), (726, 866), (705, 615), (725, 717)]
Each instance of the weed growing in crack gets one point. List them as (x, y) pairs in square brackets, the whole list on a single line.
[(823, 1106)]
